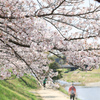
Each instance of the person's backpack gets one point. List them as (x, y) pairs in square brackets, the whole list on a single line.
[(72, 91)]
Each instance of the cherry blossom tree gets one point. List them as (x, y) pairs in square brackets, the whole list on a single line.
[(29, 29), (97, 0)]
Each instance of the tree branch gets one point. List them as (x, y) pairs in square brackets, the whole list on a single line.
[(56, 55), (55, 27), (19, 44), (79, 38), (19, 57), (62, 49), (57, 6)]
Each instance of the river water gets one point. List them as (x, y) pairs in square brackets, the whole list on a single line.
[(83, 92)]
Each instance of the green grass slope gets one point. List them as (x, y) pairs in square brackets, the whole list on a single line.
[(18, 89), (81, 76)]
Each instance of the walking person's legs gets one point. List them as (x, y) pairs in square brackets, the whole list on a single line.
[(70, 97), (73, 97), (44, 85)]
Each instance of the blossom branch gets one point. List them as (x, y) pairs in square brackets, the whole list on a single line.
[(18, 56), (19, 44)]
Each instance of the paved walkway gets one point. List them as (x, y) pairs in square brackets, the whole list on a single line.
[(52, 94)]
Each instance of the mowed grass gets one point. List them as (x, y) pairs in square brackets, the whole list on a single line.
[(18, 89), (81, 76), (7, 94), (62, 89)]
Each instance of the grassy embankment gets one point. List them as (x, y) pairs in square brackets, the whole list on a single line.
[(81, 76), (18, 89)]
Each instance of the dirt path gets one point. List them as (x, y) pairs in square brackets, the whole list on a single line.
[(52, 94)]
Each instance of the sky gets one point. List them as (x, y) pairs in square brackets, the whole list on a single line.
[(87, 2)]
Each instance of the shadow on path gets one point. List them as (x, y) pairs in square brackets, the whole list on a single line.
[(50, 94)]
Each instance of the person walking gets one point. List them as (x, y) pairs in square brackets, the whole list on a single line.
[(72, 92), (44, 82)]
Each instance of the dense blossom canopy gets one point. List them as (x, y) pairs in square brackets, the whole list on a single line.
[(29, 29)]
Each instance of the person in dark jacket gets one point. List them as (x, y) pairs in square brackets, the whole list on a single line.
[(44, 82)]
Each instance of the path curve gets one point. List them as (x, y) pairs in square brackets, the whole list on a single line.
[(52, 94)]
